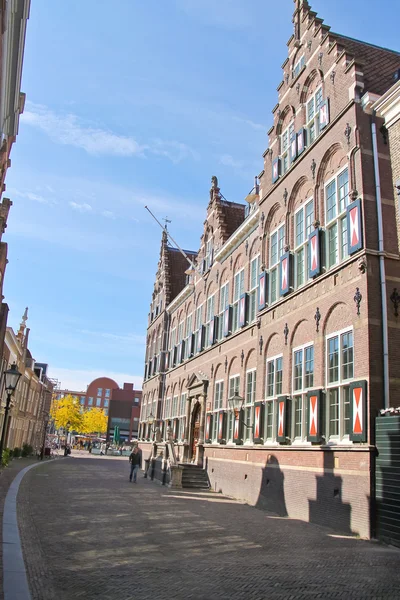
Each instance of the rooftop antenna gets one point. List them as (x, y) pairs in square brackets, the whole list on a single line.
[(191, 263)]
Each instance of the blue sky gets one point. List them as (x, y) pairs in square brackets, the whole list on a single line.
[(132, 103)]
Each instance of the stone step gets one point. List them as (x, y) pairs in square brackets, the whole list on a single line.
[(198, 485)]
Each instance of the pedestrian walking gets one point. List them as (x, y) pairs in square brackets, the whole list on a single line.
[(135, 459)]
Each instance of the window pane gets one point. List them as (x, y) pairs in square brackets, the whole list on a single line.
[(285, 142), (274, 249), (278, 377), (309, 218), (331, 201), (300, 267), (299, 227), (318, 99), (333, 358), (347, 355), (298, 415), (281, 240), (346, 410), (343, 185), (270, 378), (273, 277), (343, 238), (309, 367), (310, 110), (333, 402), (285, 163), (298, 370), (269, 420), (332, 245), (311, 132)]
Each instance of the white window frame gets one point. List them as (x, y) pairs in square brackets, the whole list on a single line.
[(199, 323), (338, 221), (286, 136), (231, 414), (274, 266), (208, 253), (341, 384), (217, 407), (270, 400), (189, 331), (301, 393), (249, 400), (301, 246), (299, 64), (238, 290), (253, 288), (210, 312), (317, 98), (223, 304)]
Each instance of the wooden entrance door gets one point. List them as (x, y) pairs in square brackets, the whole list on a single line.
[(196, 430)]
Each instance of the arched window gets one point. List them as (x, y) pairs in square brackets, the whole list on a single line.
[(336, 202), (277, 243)]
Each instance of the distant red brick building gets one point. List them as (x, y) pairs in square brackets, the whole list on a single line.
[(121, 405)]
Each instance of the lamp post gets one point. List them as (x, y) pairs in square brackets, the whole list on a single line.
[(236, 404), (12, 376)]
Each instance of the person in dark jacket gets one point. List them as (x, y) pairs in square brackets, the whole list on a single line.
[(135, 459)]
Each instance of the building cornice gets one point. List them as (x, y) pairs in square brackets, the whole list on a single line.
[(238, 236), (388, 105), (180, 298)]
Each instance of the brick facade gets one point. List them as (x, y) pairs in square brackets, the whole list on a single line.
[(297, 293)]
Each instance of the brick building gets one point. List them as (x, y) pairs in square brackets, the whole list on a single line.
[(30, 403), (289, 307), (13, 22), (117, 403)]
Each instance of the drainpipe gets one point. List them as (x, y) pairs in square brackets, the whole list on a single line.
[(382, 275)]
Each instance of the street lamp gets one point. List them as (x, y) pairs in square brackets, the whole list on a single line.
[(236, 404), (11, 376)]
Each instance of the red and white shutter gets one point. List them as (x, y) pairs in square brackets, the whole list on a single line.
[(258, 422), (238, 429), (221, 427), (262, 291), (208, 427), (324, 114), (358, 411), (285, 283), (276, 169), (314, 416), (354, 227), (282, 408), (243, 302), (314, 252)]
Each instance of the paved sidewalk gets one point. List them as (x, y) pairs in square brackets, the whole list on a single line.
[(88, 533), (7, 475)]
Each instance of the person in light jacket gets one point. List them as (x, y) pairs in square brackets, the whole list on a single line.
[(135, 459)]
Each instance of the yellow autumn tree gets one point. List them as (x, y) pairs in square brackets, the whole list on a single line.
[(94, 420), (66, 413)]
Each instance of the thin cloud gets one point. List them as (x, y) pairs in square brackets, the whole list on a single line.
[(250, 123), (228, 161), (79, 379), (226, 14), (83, 208), (133, 338), (108, 214), (69, 130), (32, 196)]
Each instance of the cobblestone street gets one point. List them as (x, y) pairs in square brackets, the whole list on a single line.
[(89, 533)]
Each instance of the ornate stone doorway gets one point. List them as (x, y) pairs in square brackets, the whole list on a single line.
[(197, 386), (195, 431)]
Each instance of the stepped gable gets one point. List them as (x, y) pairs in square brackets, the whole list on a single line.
[(378, 64), (343, 67), (175, 274), (223, 218)]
